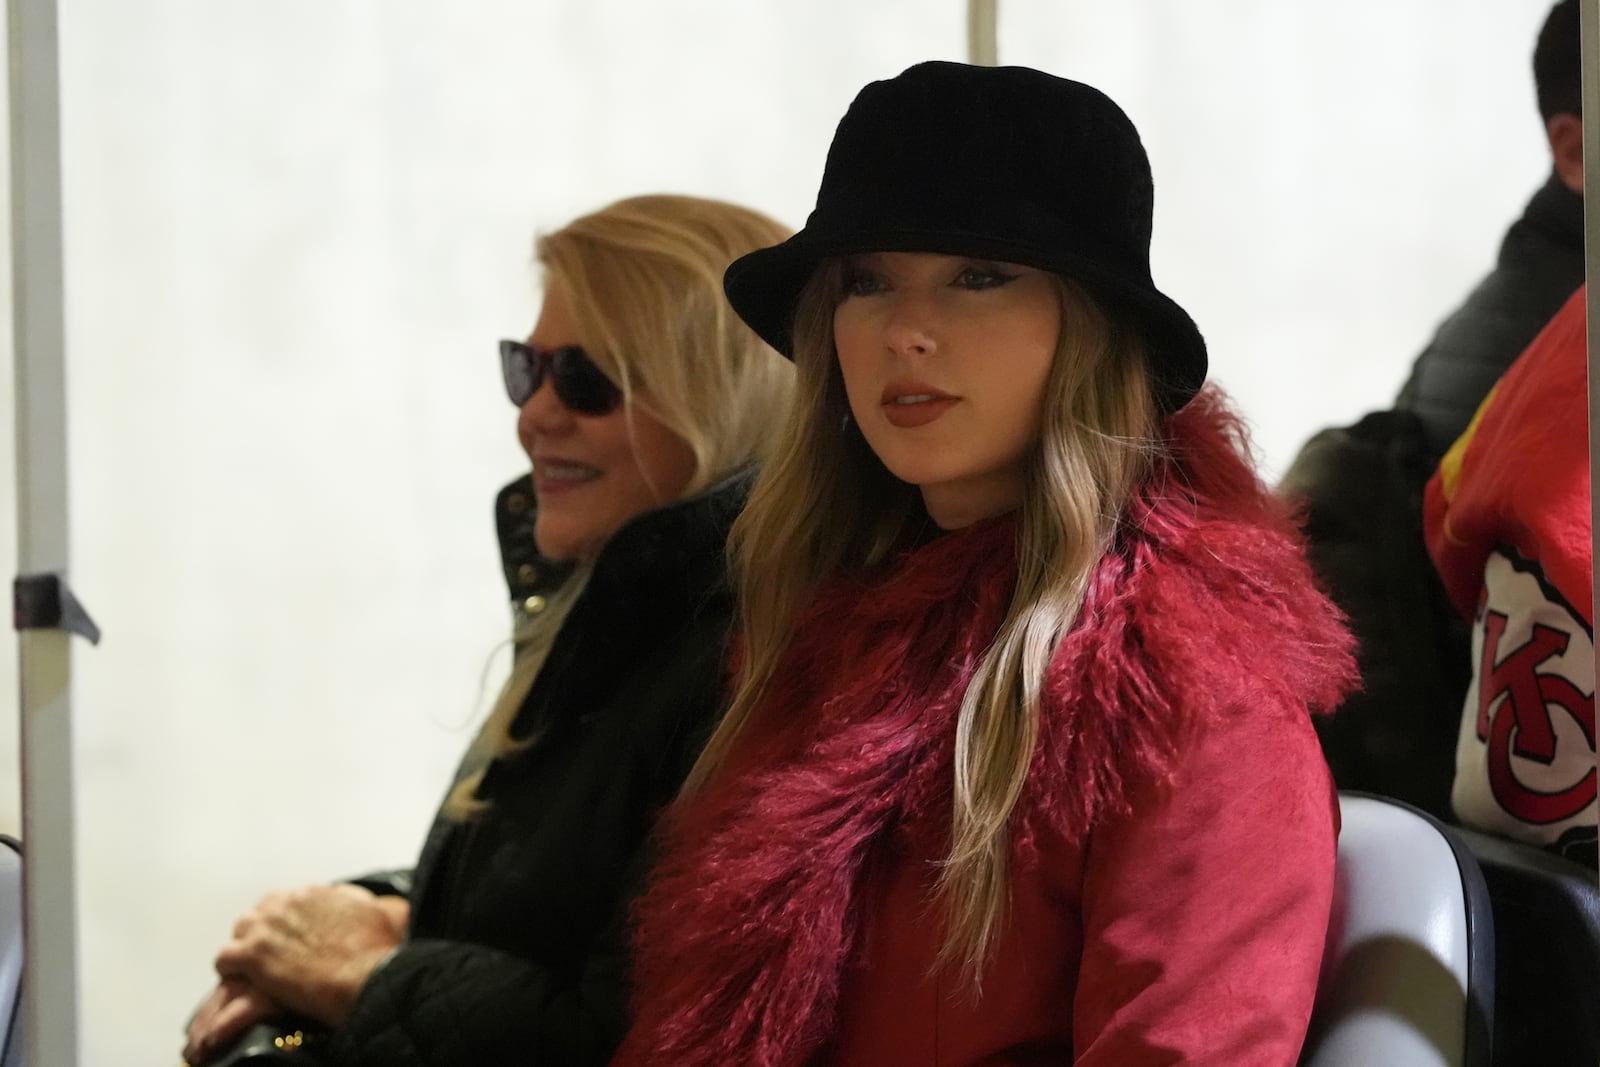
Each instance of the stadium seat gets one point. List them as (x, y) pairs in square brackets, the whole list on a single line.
[(1408, 980), (1547, 953), (10, 951)]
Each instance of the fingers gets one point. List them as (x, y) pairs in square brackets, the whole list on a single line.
[(242, 956), (236, 959), (253, 921), (256, 931), (227, 1012), (237, 1003), (237, 1016), (398, 912), (196, 1050)]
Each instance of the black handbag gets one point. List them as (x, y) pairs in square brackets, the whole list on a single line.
[(282, 1042)]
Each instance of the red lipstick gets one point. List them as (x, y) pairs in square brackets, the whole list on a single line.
[(909, 404)]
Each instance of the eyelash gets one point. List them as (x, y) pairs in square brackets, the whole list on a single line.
[(859, 281), (988, 277)]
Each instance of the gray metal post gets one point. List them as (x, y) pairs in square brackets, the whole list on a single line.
[(983, 40), (49, 983)]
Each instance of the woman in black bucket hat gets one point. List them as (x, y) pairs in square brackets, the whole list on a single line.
[(1019, 766)]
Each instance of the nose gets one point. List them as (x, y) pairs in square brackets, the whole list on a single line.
[(911, 325), (543, 415)]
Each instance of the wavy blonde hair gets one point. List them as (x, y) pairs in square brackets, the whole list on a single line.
[(643, 278), (825, 503)]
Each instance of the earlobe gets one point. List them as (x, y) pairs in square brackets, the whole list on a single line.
[(1565, 133)]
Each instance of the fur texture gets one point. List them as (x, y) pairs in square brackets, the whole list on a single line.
[(1204, 607)]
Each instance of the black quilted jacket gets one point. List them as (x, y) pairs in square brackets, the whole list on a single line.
[(516, 952), (1540, 265)]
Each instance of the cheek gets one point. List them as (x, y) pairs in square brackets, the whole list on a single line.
[(1023, 388), (666, 471), (525, 431), (853, 348), (663, 461), (1037, 336)]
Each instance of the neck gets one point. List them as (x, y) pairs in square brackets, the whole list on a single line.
[(955, 505)]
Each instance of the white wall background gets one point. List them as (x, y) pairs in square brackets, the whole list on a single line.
[(294, 229)]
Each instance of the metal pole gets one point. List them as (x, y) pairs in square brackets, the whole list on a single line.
[(1590, 21), (49, 983), (983, 40)]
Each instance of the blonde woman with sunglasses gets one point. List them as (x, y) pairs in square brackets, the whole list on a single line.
[(643, 403)]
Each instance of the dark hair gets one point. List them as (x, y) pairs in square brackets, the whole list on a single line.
[(1557, 65)]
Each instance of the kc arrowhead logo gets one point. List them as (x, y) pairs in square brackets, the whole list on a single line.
[(1535, 697)]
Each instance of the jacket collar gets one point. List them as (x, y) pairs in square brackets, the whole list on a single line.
[(667, 540), (1557, 212)]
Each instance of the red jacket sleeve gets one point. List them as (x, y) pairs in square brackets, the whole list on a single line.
[(1206, 910), (1519, 475)]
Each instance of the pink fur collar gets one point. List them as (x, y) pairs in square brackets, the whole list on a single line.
[(1204, 607)]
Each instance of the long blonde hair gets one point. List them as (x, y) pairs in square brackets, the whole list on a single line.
[(825, 503), (644, 280)]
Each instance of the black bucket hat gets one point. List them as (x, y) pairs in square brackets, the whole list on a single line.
[(1006, 163)]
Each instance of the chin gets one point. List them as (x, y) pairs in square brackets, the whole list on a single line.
[(914, 470), (560, 553), (558, 546)]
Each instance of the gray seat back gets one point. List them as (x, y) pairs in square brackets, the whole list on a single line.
[(1547, 952), (1408, 980), (10, 950)]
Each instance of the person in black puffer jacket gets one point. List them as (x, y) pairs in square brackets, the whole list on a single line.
[(644, 403)]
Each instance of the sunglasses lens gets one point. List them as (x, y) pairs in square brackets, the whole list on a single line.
[(517, 365), (582, 386)]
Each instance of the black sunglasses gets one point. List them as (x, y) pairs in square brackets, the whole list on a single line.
[(581, 386)]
